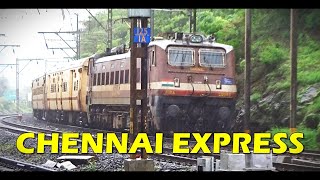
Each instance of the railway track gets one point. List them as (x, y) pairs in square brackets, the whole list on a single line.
[(8, 164), (181, 158), (19, 128)]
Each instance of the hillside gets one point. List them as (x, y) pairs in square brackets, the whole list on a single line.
[(270, 96)]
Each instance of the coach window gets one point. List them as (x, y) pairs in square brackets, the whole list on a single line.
[(112, 78), (122, 64), (77, 85), (94, 79), (117, 78), (121, 76), (99, 79), (103, 80), (112, 66), (107, 78), (126, 80)]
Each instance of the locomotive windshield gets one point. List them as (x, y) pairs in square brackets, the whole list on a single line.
[(181, 57), (212, 58)]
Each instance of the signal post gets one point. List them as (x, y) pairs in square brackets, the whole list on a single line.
[(139, 39)]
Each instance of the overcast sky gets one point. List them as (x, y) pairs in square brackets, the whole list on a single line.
[(21, 27)]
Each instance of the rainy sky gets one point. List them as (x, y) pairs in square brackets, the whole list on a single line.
[(21, 27)]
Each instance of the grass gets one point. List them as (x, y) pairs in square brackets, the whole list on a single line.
[(314, 107), (309, 141), (255, 97), (91, 166)]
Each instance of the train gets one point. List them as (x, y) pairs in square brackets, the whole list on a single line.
[(191, 87)]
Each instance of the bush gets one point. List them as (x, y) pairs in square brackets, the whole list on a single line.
[(318, 136), (311, 121), (273, 54), (309, 139), (255, 97)]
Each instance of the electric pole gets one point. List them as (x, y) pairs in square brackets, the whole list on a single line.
[(109, 29), (139, 39), (293, 57), (78, 38), (247, 83), (193, 20)]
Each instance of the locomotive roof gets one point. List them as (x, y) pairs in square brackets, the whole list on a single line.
[(165, 43)]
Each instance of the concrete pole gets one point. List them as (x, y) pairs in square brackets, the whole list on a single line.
[(17, 86), (247, 83), (133, 86), (293, 57)]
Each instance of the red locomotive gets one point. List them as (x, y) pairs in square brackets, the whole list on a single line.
[(191, 87)]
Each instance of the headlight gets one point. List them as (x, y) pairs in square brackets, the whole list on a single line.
[(218, 84), (176, 82), (196, 39)]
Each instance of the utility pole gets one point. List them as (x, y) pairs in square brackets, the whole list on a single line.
[(190, 20), (109, 29), (78, 38), (18, 71), (194, 22), (247, 83), (152, 23), (293, 57), (17, 87), (139, 38)]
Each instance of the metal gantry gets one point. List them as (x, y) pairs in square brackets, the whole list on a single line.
[(76, 49)]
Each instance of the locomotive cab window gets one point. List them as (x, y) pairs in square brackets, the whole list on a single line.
[(212, 58), (180, 56)]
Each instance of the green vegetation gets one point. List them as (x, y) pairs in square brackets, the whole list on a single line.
[(7, 107), (92, 166), (270, 44), (255, 97), (311, 121), (309, 140)]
